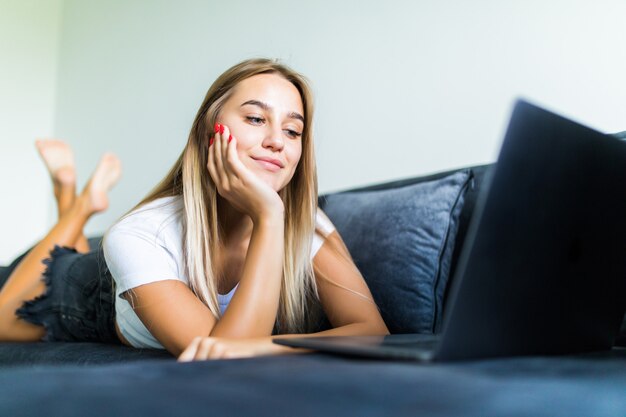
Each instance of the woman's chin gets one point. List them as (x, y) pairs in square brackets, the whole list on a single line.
[(271, 180), (276, 180)]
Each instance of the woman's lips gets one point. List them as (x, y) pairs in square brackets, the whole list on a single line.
[(268, 164)]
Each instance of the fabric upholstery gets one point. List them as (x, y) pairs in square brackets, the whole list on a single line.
[(319, 385), (402, 241)]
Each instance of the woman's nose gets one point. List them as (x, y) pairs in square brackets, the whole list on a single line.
[(274, 138)]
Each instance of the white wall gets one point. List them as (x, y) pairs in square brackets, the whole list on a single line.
[(29, 32), (403, 87)]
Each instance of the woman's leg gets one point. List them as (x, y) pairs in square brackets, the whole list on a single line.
[(59, 159), (25, 282)]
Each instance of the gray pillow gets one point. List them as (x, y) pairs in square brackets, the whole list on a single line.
[(620, 135), (621, 337), (402, 240)]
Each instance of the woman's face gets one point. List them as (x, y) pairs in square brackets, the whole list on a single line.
[(265, 115)]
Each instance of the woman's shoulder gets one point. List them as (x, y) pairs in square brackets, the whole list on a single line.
[(152, 218), (323, 225), (163, 206), (154, 211), (323, 228)]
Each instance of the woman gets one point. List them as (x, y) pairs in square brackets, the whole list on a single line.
[(230, 247)]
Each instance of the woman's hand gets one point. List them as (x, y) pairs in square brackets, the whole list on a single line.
[(203, 348), (236, 183)]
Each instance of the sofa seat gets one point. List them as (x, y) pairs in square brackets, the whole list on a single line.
[(320, 385), (56, 353)]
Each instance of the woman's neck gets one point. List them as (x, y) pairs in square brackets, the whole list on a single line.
[(236, 225)]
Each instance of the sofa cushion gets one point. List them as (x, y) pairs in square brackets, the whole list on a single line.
[(320, 385), (24, 354), (402, 241), (621, 336), (620, 135)]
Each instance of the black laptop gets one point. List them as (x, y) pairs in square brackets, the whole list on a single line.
[(543, 266)]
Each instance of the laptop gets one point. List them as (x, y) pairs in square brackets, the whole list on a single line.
[(543, 266)]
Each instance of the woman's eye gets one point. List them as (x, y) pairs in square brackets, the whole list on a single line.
[(293, 133), (258, 121), (255, 120)]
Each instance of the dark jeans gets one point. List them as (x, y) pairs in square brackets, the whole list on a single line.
[(78, 305)]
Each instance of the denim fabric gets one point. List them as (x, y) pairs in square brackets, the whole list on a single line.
[(78, 303), (402, 241), (5, 271)]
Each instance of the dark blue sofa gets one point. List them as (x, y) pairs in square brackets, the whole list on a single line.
[(78, 379)]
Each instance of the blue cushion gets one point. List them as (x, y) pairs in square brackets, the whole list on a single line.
[(402, 240), (621, 337), (620, 135), (4, 274)]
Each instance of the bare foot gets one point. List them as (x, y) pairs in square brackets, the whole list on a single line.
[(59, 160), (106, 175)]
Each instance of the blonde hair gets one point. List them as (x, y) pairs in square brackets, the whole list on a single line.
[(202, 233)]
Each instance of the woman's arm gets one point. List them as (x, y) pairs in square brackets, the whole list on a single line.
[(175, 316), (253, 308), (170, 310), (344, 295)]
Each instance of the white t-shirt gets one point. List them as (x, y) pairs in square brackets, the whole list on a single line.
[(146, 246)]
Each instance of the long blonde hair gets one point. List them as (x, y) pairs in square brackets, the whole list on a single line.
[(202, 233)]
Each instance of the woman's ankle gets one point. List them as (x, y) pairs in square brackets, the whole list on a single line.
[(81, 208)]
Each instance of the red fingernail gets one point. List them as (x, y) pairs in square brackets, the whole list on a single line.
[(230, 137), (216, 128), (211, 141), (221, 129)]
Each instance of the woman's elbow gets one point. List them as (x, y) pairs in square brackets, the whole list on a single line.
[(382, 330), (376, 327)]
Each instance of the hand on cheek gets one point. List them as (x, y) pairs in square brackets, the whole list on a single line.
[(235, 182), (219, 130)]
